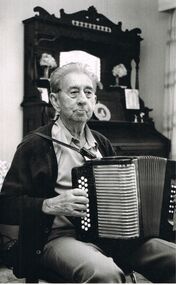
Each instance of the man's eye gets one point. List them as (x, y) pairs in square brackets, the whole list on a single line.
[(88, 93), (74, 92)]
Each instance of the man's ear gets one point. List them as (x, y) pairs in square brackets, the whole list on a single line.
[(55, 102)]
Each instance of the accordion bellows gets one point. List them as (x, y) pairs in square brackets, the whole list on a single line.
[(128, 197)]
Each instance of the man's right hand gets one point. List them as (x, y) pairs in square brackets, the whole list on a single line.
[(69, 203)]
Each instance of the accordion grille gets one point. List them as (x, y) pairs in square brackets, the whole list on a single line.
[(117, 201)]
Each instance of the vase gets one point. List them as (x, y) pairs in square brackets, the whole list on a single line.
[(117, 81), (46, 72)]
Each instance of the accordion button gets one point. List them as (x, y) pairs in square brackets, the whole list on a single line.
[(86, 229), (38, 251), (85, 179)]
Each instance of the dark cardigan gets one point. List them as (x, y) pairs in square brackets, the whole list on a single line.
[(31, 179)]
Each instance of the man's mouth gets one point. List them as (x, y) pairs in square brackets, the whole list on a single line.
[(81, 111)]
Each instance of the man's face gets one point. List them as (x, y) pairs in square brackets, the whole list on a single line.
[(77, 97)]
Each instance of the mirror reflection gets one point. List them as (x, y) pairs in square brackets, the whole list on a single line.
[(84, 57)]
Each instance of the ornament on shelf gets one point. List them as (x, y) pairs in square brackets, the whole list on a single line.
[(119, 71)]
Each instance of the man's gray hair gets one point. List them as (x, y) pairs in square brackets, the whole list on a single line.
[(58, 74)]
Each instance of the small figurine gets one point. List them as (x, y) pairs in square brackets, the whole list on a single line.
[(142, 114)]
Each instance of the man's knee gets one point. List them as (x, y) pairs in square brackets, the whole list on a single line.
[(110, 275), (102, 273), (156, 260)]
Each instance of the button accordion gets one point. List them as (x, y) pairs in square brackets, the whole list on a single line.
[(129, 197)]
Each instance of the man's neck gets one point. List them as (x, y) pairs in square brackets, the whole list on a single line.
[(76, 129)]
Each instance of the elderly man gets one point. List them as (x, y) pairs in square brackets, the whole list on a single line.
[(38, 195)]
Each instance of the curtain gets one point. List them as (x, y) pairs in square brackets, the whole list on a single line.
[(169, 125)]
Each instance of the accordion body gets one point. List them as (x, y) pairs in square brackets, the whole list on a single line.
[(129, 197)]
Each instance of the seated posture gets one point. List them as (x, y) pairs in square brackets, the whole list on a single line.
[(37, 194)]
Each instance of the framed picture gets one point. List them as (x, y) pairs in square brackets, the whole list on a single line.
[(44, 94), (102, 112), (132, 99)]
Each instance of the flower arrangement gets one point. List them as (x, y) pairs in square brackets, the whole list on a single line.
[(119, 70), (48, 62)]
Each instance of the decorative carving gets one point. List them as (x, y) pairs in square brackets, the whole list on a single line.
[(43, 13), (87, 19), (91, 26), (45, 37)]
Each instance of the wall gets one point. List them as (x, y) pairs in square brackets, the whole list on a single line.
[(164, 5), (132, 13)]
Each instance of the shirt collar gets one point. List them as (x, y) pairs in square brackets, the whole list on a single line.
[(90, 140)]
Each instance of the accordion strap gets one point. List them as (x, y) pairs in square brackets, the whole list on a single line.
[(83, 151)]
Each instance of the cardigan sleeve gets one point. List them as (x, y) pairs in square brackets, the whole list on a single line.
[(16, 196)]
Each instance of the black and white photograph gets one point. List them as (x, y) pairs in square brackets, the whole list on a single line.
[(88, 141)]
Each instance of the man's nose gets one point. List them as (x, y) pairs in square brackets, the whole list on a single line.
[(82, 97)]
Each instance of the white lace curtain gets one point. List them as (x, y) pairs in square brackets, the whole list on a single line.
[(169, 127)]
